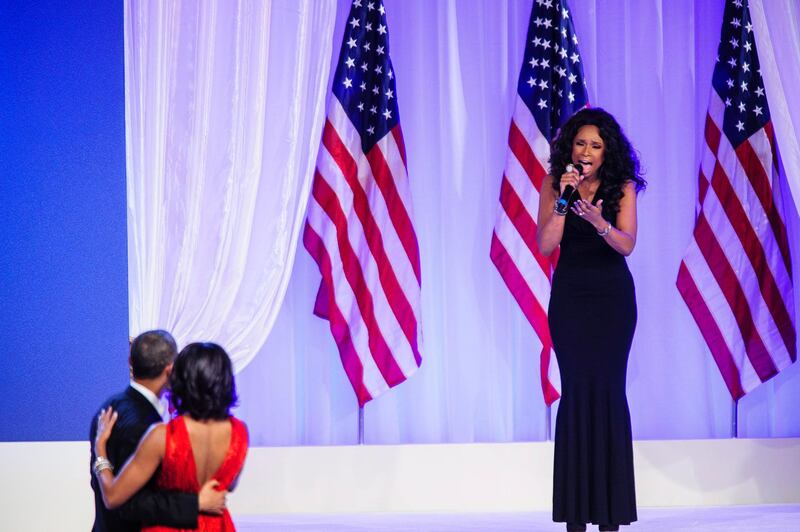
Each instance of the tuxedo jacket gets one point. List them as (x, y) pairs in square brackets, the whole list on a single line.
[(149, 506)]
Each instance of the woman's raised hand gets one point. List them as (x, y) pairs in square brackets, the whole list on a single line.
[(105, 422), (591, 213)]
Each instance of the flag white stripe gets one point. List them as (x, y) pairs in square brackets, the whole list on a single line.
[(760, 144), (391, 152), (730, 164), (346, 300), (385, 318), (722, 314), (536, 279), (527, 125), (751, 204), (530, 270), (392, 245), (402, 266), (746, 277), (522, 185)]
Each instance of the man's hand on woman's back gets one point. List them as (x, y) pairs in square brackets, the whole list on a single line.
[(211, 500)]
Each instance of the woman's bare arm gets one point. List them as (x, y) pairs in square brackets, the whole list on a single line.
[(550, 225), (139, 468), (623, 237)]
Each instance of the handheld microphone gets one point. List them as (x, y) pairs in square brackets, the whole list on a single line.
[(562, 205)]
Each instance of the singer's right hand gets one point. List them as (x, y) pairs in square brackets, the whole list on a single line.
[(571, 178)]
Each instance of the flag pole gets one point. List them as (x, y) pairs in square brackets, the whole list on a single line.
[(735, 419), (361, 425), (547, 415)]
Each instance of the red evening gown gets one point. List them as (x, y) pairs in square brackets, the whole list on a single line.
[(178, 471)]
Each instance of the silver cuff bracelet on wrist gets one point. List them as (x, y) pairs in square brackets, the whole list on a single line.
[(101, 463), (605, 231)]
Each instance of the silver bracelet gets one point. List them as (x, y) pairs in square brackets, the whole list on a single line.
[(605, 231), (101, 463)]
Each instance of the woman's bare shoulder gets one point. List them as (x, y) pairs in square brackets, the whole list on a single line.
[(156, 433)]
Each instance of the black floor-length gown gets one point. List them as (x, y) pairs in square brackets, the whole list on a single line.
[(592, 317)]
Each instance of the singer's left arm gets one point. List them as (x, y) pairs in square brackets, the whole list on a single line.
[(623, 237)]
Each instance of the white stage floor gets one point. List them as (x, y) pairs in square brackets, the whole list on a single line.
[(766, 518), (698, 485)]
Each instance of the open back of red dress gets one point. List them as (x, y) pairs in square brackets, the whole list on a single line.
[(179, 472)]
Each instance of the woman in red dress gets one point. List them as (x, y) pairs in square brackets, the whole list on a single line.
[(202, 442)]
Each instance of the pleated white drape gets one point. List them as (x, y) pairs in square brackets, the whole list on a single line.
[(224, 107)]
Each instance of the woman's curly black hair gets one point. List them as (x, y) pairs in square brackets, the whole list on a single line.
[(620, 161), (202, 383)]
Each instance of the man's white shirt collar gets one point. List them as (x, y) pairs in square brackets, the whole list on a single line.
[(154, 400)]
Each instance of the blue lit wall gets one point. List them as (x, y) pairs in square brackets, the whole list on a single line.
[(63, 272)]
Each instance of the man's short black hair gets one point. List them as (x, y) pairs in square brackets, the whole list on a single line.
[(151, 352), (202, 383)]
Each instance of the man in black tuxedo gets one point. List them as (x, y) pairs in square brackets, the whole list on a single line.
[(151, 358)]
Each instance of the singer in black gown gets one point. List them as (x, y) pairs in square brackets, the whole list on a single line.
[(592, 317)]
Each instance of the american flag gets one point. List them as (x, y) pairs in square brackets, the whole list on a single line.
[(736, 275), (359, 228), (550, 89)]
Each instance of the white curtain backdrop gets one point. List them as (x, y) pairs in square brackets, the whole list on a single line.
[(649, 62), (224, 107)]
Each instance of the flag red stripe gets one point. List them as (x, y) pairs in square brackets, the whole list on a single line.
[(380, 351), (397, 208), (524, 154), (530, 305), (755, 252), (395, 295), (531, 308), (732, 290), (523, 222), (710, 331), (397, 133), (321, 301), (702, 188), (339, 327), (755, 172), (712, 135), (549, 391)]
